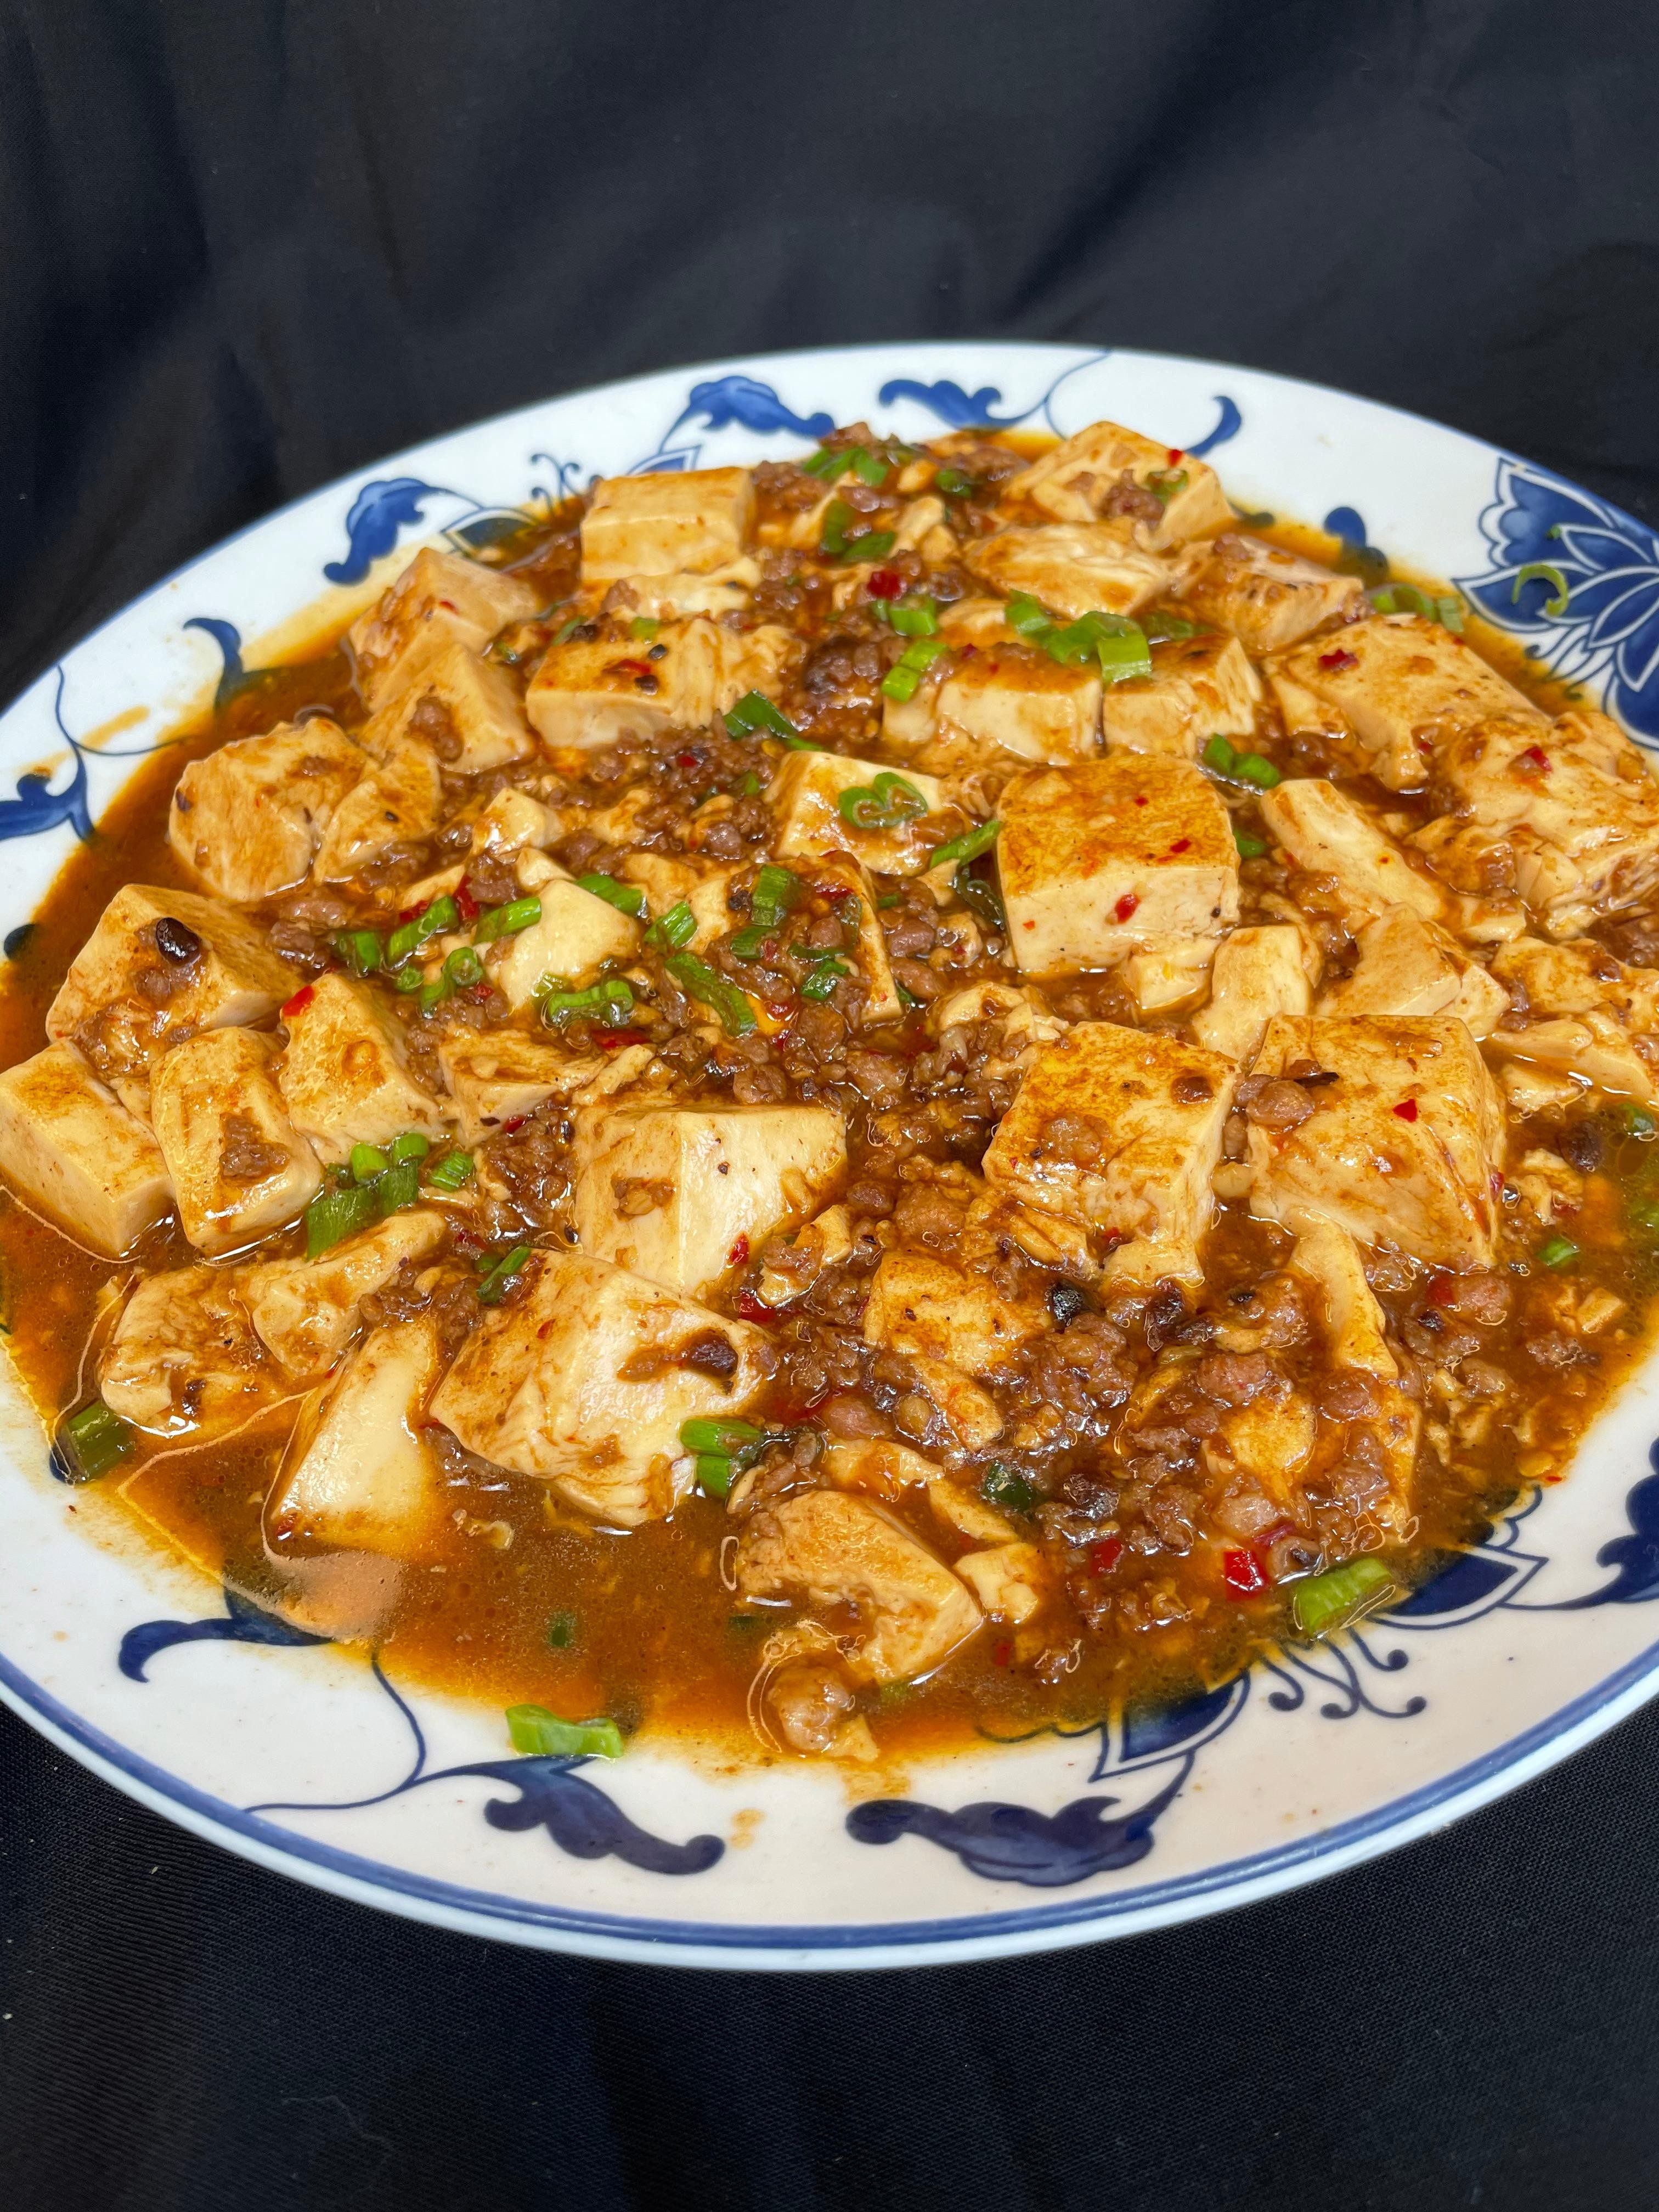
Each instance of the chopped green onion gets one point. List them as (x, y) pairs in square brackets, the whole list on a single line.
[(411, 979), (980, 897), (442, 914), (1159, 627), (873, 467), (748, 942), (748, 784), (452, 1171), (568, 630), (1638, 1123), (1118, 644), (1004, 1486), (825, 465), (914, 617), (674, 929), (1123, 653), (361, 949), (901, 684), (499, 921), (1250, 848), (713, 1474), (838, 517), (399, 1187), (1410, 599), (411, 1145), (906, 998), (644, 627), (955, 484), (434, 993), (698, 981), (610, 999), (1256, 770), (777, 891), (885, 804), (98, 1439), (1558, 1252), (499, 1277), (561, 1631), (1219, 755), (1026, 615), (544, 1735), (463, 968), (967, 847), (873, 545), (1164, 483), (366, 1162), (726, 1437), (903, 678), (1544, 572), (627, 898), (821, 984), (755, 711), (334, 1215), (1340, 1595)]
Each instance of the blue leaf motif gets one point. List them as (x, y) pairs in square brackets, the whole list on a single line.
[(228, 639), (1474, 1582), (581, 1820), (1228, 423), (963, 410), (1013, 1843), (37, 806), (241, 1622), (1636, 1556), (380, 510), (1162, 1729)]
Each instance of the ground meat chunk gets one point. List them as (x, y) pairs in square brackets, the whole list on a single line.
[(1237, 1377), (1272, 1103), (809, 1701), (245, 1156)]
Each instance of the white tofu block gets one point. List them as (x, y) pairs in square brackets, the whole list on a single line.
[(395, 803), (497, 1077), (103, 1001), (1257, 973), (247, 820), (514, 820), (465, 710), (1400, 685), (577, 933), (343, 1076), (1169, 972), (1328, 1259), (73, 1150), (691, 520), (593, 691), (358, 1474), (183, 1357), (1072, 568), (1580, 978), (1267, 597), (239, 1168), (441, 600), (306, 1311), (1200, 688), (684, 1194), (1410, 966), (1103, 859), (1402, 1149), (831, 1547), (1021, 702), (1077, 480), (1594, 1047), (805, 794), (922, 1304), (673, 598), (1326, 832), (841, 872), (585, 1379), (1117, 1131)]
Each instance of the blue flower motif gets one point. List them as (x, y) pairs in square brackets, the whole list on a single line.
[(963, 410), (1610, 562), (1011, 1843), (380, 510), (241, 1622), (721, 402)]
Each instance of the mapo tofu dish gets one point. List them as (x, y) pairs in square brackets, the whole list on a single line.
[(839, 1106)]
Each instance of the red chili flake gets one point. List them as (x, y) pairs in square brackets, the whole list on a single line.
[(1003, 1653), (547, 1329), (1105, 1555), (886, 584), (1536, 757), (750, 1308), (1181, 845), (1339, 657), (608, 1040), (1243, 1574), (1406, 1110), (1174, 455), (301, 998), (1424, 745), (1140, 799), (411, 913), (630, 668), (510, 1129), (448, 606), (967, 653), (1126, 906), (465, 904), (687, 760), (738, 1256), (1442, 1289), (479, 992)]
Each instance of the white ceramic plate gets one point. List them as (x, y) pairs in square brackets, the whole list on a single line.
[(301, 1758)]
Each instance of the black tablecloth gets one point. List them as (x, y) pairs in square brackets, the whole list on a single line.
[(244, 248)]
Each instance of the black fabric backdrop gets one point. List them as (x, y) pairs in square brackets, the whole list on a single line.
[(248, 245)]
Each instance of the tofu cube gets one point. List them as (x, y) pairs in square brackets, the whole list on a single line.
[(73, 1150), (305, 1312), (343, 1076), (1400, 685), (688, 520), (1021, 702), (1402, 1148), (1256, 973), (440, 600), (1200, 688), (358, 1475), (1267, 597), (395, 803), (183, 1357), (1410, 966), (497, 1076), (1086, 477), (124, 1000), (840, 875), (586, 1377), (513, 820), (239, 1168), (684, 1194), (722, 591), (465, 710), (577, 934), (1073, 568), (921, 1305), (1326, 832), (1580, 978), (590, 692), (247, 820), (1169, 972), (1103, 859), (1328, 1259), (804, 795), (1117, 1131)]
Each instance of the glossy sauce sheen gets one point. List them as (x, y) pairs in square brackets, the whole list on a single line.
[(519, 1598)]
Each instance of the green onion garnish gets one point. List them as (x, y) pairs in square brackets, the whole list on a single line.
[(610, 1000), (873, 545), (1544, 572), (913, 617), (715, 1436), (699, 982), (1411, 599), (1026, 615), (442, 914), (408, 979), (967, 847), (1219, 755), (674, 929), (1340, 1595), (1638, 1123), (903, 678), (825, 465), (1558, 1252), (499, 1278), (777, 891), (644, 627), (883, 805), (1250, 848), (747, 943), (1003, 1485), (452, 1171), (463, 968), (499, 921), (838, 518), (713, 1474), (820, 983), (334, 1215), (955, 484), (1117, 643), (97, 1439), (1256, 770), (359, 948), (366, 1162), (564, 635), (980, 897), (755, 711), (627, 898), (1164, 483), (400, 1186), (1160, 628), (873, 467), (561, 1631), (411, 1145), (543, 1735)]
